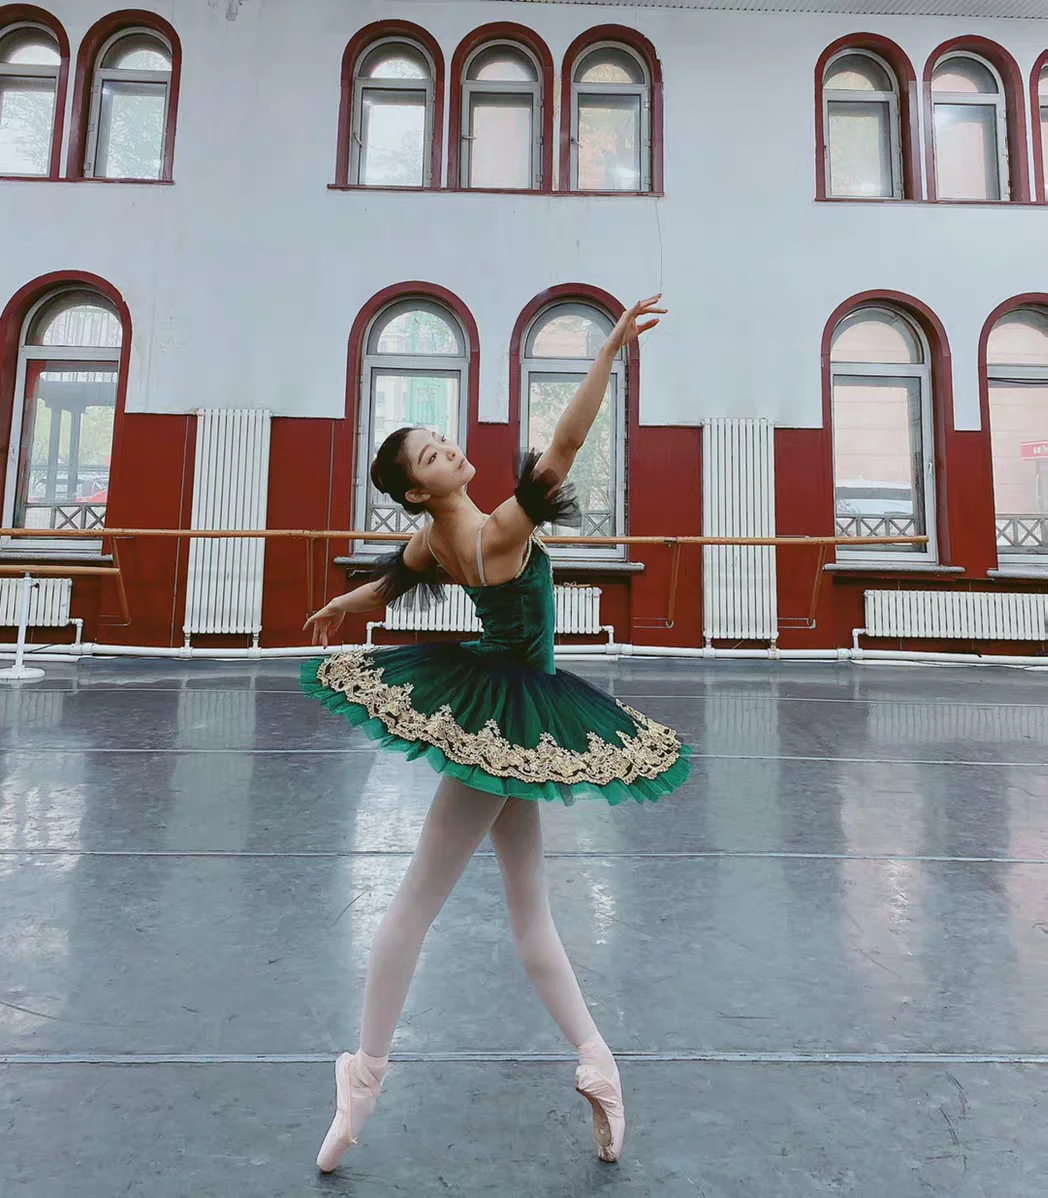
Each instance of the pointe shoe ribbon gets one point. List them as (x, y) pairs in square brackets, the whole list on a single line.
[(609, 1115)]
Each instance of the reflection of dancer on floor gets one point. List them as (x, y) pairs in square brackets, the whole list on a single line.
[(555, 736)]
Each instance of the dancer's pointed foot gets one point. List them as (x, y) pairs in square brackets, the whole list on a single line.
[(597, 1080), (358, 1083)]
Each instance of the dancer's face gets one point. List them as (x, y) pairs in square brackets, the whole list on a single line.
[(436, 463)]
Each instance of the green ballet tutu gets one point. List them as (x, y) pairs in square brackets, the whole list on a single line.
[(500, 726)]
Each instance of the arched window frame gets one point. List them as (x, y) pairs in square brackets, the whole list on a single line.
[(20, 16), (620, 37), (360, 46), (15, 322), (96, 42), (923, 372), (1039, 125), (988, 374), (891, 98), (619, 383), (1014, 175)]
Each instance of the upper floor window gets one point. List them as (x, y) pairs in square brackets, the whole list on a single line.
[(970, 129), (559, 348), (414, 372), (30, 66), (861, 118), (1017, 378), (65, 406), (501, 119), (130, 94), (883, 441), (610, 121), (393, 107), (1042, 117)]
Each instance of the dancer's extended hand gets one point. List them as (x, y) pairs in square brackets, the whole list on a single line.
[(325, 623), (627, 329)]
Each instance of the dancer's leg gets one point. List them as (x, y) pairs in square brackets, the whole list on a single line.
[(458, 820)]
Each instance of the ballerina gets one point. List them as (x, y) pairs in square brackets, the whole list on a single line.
[(497, 720)]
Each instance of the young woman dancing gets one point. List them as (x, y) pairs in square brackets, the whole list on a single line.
[(497, 720)]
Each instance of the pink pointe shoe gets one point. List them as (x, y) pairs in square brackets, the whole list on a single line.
[(357, 1087), (600, 1086)]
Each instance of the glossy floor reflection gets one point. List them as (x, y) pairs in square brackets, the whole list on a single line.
[(824, 961)]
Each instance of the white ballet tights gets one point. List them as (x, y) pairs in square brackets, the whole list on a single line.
[(456, 824)]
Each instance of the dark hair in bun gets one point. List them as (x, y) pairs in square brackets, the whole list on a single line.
[(390, 474)]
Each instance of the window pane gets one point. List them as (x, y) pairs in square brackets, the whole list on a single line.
[(502, 64), (609, 143), (395, 62), (609, 65), (875, 336), (1044, 132), (131, 130), (1019, 339), (67, 444), (593, 470), (500, 152), (393, 134), (76, 319), (966, 165), (29, 47), (411, 330), (878, 458), (568, 331), (1019, 443), (860, 149), (138, 53), (964, 75), (27, 117), (858, 72)]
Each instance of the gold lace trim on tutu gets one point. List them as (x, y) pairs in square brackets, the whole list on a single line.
[(653, 750)]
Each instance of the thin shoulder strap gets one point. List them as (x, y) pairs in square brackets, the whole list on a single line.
[(432, 551), (480, 555)]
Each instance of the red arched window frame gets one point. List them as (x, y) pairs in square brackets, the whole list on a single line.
[(86, 59), (942, 395), (11, 323), (361, 41), (642, 46), (1015, 109), (1041, 183), (900, 64), (346, 429), (500, 31), (16, 14)]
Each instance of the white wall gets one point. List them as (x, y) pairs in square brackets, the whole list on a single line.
[(244, 278)]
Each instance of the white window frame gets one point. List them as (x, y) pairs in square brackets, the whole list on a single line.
[(361, 84), (980, 100), (12, 70), (617, 382), (643, 90), (482, 87), (110, 356), (1042, 114), (430, 365), (840, 96), (103, 75), (886, 555), (1031, 375)]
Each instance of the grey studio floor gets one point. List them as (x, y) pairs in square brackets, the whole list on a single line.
[(823, 962)]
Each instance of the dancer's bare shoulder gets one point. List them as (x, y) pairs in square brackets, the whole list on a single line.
[(510, 526)]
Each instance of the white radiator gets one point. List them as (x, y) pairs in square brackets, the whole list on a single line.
[(739, 599), (577, 612), (224, 589), (49, 600), (967, 615)]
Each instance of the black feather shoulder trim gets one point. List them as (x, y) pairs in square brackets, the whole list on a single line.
[(396, 579), (544, 501)]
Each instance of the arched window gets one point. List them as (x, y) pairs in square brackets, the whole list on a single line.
[(414, 372), (1040, 122), (861, 120), (1017, 383), (501, 118), (32, 75), (883, 439), (64, 411), (611, 120), (970, 129), (392, 116), (127, 128), (558, 349)]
